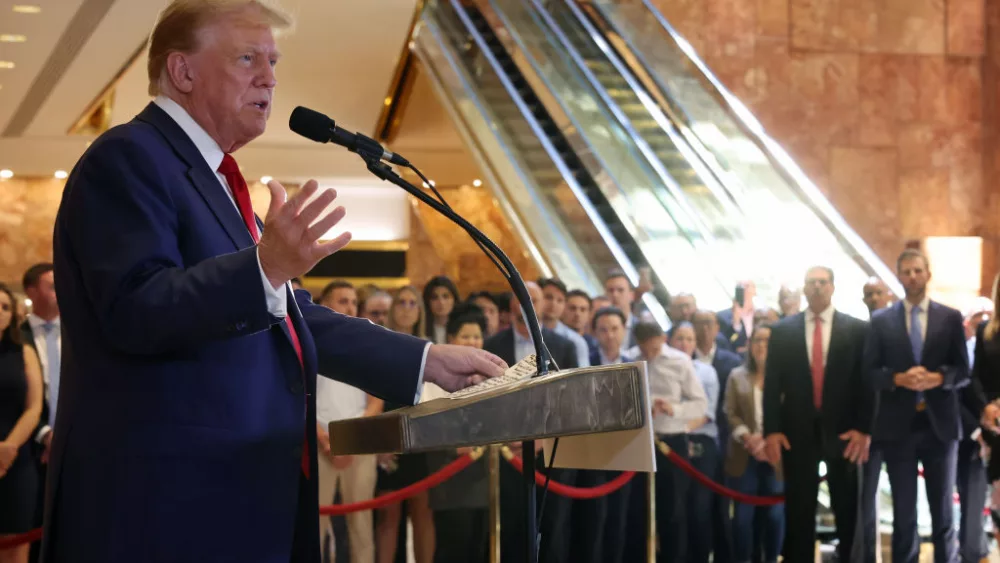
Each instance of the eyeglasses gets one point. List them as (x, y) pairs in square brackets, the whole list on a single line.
[(406, 303), (822, 282)]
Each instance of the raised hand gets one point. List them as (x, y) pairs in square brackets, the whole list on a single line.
[(290, 245), (457, 367)]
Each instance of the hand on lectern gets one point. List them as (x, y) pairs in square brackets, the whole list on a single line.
[(457, 367)]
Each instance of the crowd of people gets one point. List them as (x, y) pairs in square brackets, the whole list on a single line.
[(755, 398)]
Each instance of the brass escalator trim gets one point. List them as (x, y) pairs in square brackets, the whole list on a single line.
[(96, 118), (397, 96)]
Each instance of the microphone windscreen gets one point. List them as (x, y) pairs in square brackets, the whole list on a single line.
[(311, 124)]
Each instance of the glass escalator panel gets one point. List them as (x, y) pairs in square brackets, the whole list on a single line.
[(688, 248), (783, 208), (540, 179)]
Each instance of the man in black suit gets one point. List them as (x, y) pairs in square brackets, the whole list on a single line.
[(736, 324), (916, 359), (709, 350), (817, 408), (513, 345)]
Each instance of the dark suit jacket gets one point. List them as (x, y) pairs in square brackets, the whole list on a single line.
[(563, 351), (735, 339), (28, 337), (848, 404), (888, 352), (183, 401), (984, 384)]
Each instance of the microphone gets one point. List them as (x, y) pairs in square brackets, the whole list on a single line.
[(315, 126)]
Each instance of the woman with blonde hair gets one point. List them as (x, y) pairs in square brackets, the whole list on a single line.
[(985, 386), (406, 315)]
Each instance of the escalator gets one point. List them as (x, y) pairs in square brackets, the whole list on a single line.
[(610, 145)]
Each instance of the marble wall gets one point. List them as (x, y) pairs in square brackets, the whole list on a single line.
[(880, 102), (439, 247), (28, 209)]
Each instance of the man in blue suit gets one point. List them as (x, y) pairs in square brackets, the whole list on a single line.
[(915, 358), (714, 353), (187, 413)]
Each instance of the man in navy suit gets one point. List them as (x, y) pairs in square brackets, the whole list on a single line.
[(915, 358), (187, 413), (710, 350), (513, 345)]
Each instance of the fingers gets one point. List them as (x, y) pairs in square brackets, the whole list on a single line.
[(784, 442), (290, 210), (488, 364), (313, 209), (325, 223), (327, 248), (278, 197)]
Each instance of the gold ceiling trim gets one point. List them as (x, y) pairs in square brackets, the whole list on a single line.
[(96, 119), (400, 87)]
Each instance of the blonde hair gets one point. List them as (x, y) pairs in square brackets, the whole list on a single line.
[(993, 326), (180, 23), (417, 329)]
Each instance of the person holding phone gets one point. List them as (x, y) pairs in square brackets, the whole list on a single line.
[(737, 323)]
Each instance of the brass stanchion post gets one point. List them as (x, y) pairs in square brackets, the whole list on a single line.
[(494, 472), (651, 519)]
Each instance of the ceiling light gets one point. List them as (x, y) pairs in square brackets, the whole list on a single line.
[(6, 174), (12, 38), (61, 174), (477, 182), (432, 183), (424, 184), (26, 9), (265, 179), (6, 64), (27, 302)]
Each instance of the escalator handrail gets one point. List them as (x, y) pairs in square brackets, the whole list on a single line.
[(622, 120), (616, 251), (695, 158), (782, 162)]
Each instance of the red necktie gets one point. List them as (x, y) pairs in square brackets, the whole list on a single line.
[(241, 194), (817, 362)]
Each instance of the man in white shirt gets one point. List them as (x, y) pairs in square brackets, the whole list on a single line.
[(678, 399), (42, 331), (355, 476), (554, 304)]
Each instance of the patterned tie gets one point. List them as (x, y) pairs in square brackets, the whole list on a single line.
[(52, 359), (241, 193), (817, 362), (917, 345)]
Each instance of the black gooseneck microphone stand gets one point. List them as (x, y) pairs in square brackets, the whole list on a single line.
[(385, 172)]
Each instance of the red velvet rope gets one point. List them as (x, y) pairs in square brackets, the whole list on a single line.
[(433, 480), (717, 488), (27, 537), (577, 492)]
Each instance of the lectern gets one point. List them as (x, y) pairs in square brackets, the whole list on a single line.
[(564, 403), (571, 402)]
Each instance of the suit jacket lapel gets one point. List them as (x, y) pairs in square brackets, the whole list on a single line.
[(933, 310), (900, 314), (203, 179), (836, 342)]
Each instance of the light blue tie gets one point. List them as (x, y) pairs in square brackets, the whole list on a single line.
[(916, 342), (52, 356)]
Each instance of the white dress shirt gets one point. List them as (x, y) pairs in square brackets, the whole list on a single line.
[(277, 304), (708, 358), (826, 320), (672, 377), (524, 346), (922, 315), (582, 350), (38, 337), (338, 401)]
